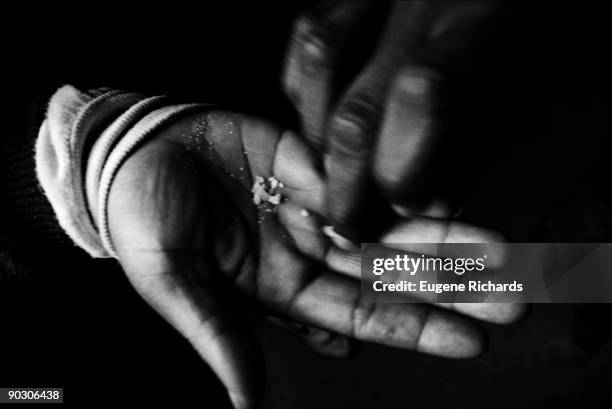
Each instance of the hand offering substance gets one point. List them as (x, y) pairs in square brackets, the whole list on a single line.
[(205, 211)]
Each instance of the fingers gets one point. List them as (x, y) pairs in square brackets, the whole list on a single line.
[(204, 314), (296, 165), (316, 45), (388, 121), (334, 302), (260, 141), (351, 192), (498, 313), (305, 229), (413, 121), (409, 133), (412, 235), (355, 123), (307, 232), (309, 239), (415, 234), (283, 154), (301, 291)]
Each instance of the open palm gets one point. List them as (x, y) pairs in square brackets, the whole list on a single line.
[(194, 245)]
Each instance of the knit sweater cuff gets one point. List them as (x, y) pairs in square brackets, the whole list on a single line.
[(81, 146)]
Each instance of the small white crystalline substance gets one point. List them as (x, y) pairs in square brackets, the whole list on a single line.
[(266, 191)]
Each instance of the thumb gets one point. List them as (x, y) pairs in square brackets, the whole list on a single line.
[(157, 218), (198, 305)]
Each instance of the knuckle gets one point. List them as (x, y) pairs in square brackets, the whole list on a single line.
[(370, 324), (349, 136), (316, 51), (314, 41), (353, 127), (362, 318)]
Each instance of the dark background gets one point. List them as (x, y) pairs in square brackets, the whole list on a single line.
[(528, 154)]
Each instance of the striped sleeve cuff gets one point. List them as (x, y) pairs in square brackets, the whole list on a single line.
[(81, 145)]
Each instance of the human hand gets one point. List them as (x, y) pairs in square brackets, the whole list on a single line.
[(379, 130), (194, 246)]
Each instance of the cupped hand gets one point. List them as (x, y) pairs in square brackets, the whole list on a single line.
[(200, 252)]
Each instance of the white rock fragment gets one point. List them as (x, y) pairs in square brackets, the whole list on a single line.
[(273, 183), (275, 200), (259, 190), (304, 213), (266, 191)]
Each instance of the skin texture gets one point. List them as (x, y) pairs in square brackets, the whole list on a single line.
[(380, 130), (199, 252)]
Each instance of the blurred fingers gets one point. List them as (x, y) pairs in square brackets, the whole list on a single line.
[(317, 43), (383, 131), (407, 139)]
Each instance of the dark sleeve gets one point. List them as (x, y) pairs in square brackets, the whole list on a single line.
[(28, 227)]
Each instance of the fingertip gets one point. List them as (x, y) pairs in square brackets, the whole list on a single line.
[(511, 313), (493, 243), (496, 313), (409, 131), (451, 337), (296, 165)]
